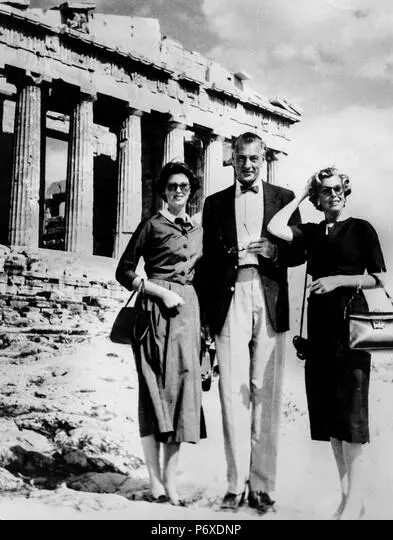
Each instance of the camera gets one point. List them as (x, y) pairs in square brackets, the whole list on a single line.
[(301, 345)]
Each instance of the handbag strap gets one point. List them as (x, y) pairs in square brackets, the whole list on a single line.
[(303, 301), (140, 289), (358, 289), (382, 285)]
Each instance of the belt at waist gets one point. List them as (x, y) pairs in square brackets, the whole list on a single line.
[(248, 266), (173, 280)]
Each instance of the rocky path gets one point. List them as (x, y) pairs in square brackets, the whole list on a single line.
[(69, 445)]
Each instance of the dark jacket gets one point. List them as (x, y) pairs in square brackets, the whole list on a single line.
[(217, 273)]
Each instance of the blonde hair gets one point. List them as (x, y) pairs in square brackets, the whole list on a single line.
[(322, 174)]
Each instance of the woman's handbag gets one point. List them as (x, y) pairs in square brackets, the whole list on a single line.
[(133, 322), (301, 343), (373, 330)]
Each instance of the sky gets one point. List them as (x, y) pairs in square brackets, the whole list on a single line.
[(333, 59)]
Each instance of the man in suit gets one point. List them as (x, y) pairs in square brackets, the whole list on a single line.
[(245, 302)]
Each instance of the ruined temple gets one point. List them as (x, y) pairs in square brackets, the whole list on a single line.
[(91, 106)]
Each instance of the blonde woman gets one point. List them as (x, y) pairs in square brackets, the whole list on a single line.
[(342, 253)]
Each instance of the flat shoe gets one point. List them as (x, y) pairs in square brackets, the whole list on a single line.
[(153, 499), (232, 501), (261, 501)]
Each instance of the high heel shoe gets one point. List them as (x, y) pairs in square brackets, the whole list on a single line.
[(178, 502)]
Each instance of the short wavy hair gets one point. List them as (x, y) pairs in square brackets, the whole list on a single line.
[(248, 138), (176, 167), (321, 175)]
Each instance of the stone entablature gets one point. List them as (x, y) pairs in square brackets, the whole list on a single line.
[(184, 84), (114, 101)]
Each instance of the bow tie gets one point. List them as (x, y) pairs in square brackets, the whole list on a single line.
[(185, 224), (254, 188)]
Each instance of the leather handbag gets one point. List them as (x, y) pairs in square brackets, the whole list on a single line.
[(373, 330), (133, 322)]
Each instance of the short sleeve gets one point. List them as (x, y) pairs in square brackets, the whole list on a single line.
[(125, 272), (303, 234), (374, 257)]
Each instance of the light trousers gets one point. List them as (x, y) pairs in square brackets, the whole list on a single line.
[(250, 356)]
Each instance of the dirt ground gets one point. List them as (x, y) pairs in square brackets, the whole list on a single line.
[(97, 383)]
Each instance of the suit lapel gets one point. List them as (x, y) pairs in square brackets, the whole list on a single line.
[(269, 204), (227, 216)]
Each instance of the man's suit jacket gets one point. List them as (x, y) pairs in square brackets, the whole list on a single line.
[(218, 269)]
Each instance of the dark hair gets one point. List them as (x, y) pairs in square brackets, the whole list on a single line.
[(176, 167), (247, 138), (321, 175)]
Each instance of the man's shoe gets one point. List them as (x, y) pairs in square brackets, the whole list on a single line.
[(261, 501), (232, 501)]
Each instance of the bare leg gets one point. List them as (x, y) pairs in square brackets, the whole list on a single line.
[(151, 450), (353, 508), (171, 461), (338, 452)]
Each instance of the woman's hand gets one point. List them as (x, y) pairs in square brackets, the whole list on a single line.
[(172, 300), (325, 285), (306, 190)]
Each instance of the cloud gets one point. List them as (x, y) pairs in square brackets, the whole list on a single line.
[(297, 47)]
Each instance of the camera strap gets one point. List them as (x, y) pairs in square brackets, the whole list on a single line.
[(303, 301)]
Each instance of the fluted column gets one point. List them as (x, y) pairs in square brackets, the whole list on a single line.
[(129, 197), (79, 202), (213, 160), (271, 160), (174, 142), (26, 169)]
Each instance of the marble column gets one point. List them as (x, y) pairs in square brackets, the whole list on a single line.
[(174, 142), (80, 194), (129, 196), (213, 160), (24, 218), (271, 160)]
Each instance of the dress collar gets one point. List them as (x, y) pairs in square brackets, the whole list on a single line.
[(165, 212)]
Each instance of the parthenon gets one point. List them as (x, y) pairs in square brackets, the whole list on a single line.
[(119, 100)]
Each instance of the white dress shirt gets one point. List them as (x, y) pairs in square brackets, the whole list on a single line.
[(249, 219)]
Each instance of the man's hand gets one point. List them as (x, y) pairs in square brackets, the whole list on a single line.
[(325, 284), (263, 247)]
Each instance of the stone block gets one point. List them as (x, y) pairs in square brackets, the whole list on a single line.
[(15, 261), (38, 266), (12, 289), (18, 304), (10, 316), (16, 280), (75, 308), (42, 304), (4, 251), (35, 282), (32, 291)]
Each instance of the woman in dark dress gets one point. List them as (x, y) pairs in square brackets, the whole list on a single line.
[(340, 250), (168, 367)]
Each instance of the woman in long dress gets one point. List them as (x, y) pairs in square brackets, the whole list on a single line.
[(168, 364), (342, 254)]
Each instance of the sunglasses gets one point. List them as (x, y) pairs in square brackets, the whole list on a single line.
[(333, 190), (173, 187)]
